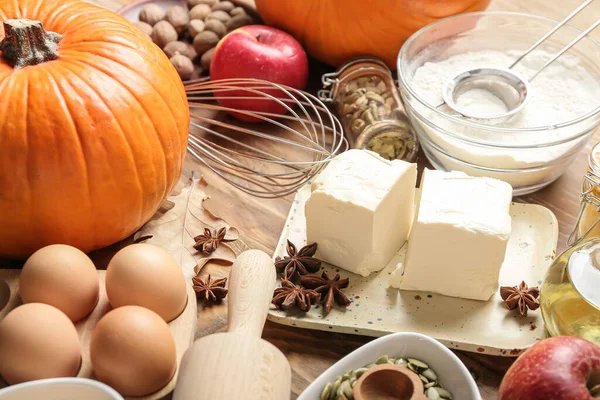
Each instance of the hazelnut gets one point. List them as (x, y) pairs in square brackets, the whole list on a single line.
[(163, 33), (237, 11), (183, 65), (144, 27), (238, 21), (178, 17), (207, 58), (200, 11), (226, 6), (176, 47), (215, 26), (192, 55), (195, 27), (219, 15), (205, 40), (194, 3), (197, 72), (151, 14)]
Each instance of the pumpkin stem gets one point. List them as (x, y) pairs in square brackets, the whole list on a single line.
[(26, 42)]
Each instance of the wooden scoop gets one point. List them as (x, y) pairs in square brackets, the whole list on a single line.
[(388, 382), (238, 364)]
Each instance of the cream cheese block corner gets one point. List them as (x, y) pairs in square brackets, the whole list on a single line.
[(360, 210), (459, 238)]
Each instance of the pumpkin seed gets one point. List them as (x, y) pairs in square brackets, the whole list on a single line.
[(417, 363), (346, 376), (336, 385), (402, 362), (346, 389), (326, 391), (358, 373), (443, 393), (382, 360), (432, 394), (425, 380), (341, 397), (412, 367), (430, 384), (429, 374)]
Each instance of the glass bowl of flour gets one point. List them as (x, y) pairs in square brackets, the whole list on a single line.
[(528, 150)]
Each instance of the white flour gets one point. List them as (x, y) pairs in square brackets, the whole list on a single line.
[(565, 90), (562, 92)]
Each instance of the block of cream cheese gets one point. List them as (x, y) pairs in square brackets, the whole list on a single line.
[(459, 238), (361, 210)]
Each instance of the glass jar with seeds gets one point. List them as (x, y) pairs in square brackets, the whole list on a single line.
[(367, 102)]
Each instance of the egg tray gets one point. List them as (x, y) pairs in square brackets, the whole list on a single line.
[(183, 327)]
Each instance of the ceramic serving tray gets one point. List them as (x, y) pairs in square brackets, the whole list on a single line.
[(484, 327), (182, 327)]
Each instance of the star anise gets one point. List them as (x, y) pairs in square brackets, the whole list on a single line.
[(521, 297), (213, 291), (301, 261), (290, 295), (209, 240), (330, 289)]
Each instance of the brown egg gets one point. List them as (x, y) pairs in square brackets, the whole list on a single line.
[(38, 341), (147, 276), (61, 276), (133, 350)]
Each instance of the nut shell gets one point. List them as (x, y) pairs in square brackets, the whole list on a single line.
[(200, 11), (238, 21), (144, 27), (226, 6), (178, 17), (237, 11), (193, 3), (205, 40), (151, 14), (183, 65), (176, 47), (219, 15), (195, 27), (206, 58), (216, 26), (163, 33)]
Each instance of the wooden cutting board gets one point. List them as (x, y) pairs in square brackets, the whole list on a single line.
[(183, 327)]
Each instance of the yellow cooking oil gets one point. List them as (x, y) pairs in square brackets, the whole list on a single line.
[(570, 293)]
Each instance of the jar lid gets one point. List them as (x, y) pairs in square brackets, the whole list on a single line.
[(584, 271)]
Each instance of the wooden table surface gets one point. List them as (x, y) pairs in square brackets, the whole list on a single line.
[(261, 222)]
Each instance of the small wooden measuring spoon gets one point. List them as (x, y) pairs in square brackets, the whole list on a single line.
[(388, 382)]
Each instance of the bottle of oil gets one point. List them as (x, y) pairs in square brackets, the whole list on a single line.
[(570, 293)]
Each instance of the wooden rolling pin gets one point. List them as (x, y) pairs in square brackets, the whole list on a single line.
[(238, 364)]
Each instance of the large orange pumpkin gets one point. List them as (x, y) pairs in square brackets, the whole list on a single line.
[(93, 126), (335, 31)]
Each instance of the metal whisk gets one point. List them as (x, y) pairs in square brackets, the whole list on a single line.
[(269, 159)]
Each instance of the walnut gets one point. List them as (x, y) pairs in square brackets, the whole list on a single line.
[(215, 26), (200, 11), (238, 21), (151, 14), (194, 3), (195, 27), (226, 6), (178, 17), (237, 11), (144, 27), (163, 33), (205, 40), (207, 58), (176, 47), (219, 15), (192, 55), (183, 65)]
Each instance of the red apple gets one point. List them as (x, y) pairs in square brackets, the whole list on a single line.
[(260, 52), (558, 368)]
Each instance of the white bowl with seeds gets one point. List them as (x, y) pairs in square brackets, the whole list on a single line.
[(400, 348)]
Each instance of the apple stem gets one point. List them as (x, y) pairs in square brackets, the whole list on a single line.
[(595, 391)]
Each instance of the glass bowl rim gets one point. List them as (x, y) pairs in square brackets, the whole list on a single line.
[(461, 121)]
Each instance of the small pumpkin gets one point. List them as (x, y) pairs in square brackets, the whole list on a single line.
[(93, 126), (335, 31)]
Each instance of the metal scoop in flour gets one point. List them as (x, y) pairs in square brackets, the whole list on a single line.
[(507, 92)]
